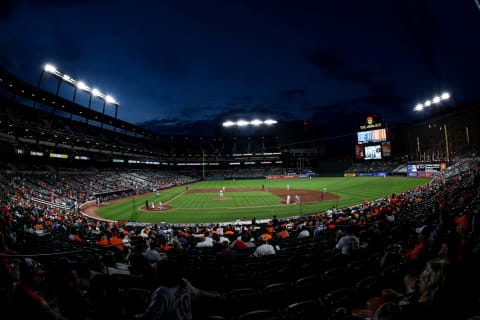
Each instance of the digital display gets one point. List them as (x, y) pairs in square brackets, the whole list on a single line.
[(364, 136), (359, 151), (59, 156), (386, 149), (37, 154), (373, 152), (372, 136)]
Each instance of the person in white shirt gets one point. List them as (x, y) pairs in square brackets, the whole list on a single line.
[(173, 298), (288, 199), (223, 239), (264, 249), (288, 187), (221, 193), (303, 234), (348, 244), (205, 243)]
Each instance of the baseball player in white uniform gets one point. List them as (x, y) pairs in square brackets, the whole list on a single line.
[(288, 199), (221, 193)]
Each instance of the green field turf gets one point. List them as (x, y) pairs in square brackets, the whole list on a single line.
[(352, 191), (239, 199)]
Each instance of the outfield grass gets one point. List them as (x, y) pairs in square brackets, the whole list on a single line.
[(352, 190)]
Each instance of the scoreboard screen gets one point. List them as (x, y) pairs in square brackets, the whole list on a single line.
[(372, 136), (373, 152)]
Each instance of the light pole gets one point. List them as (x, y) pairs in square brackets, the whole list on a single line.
[(436, 100), (78, 85), (446, 141)]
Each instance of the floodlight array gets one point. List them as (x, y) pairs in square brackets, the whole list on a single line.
[(244, 123), (80, 85), (435, 100)]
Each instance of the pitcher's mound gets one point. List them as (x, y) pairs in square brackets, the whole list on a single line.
[(224, 198)]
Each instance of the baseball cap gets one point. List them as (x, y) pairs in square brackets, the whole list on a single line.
[(34, 267), (423, 229)]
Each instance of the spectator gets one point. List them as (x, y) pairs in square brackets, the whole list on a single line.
[(28, 302), (173, 298), (304, 233), (348, 244), (263, 249)]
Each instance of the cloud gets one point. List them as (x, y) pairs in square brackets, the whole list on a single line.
[(291, 95), (333, 66), (177, 126), (204, 120), (424, 31)]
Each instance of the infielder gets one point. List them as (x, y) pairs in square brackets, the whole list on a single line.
[(160, 205), (288, 187), (221, 194), (288, 200)]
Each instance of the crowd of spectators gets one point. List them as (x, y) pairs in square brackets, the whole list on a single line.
[(412, 255), (70, 190), (245, 172)]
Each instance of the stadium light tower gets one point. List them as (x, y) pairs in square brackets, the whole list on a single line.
[(78, 85), (270, 122), (244, 123), (436, 100)]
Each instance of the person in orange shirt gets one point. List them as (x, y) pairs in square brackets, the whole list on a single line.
[(266, 236), (116, 242), (104, 241), (283, 234)]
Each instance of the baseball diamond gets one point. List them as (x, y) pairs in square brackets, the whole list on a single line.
[(245, 199)]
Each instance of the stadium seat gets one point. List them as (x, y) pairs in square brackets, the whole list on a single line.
[(134, 301), (339, 298), (277, 294), (368, 286), (303, 310), (259, 315), (309, 287)]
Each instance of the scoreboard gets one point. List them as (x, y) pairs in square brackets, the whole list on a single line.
[(372, 141)]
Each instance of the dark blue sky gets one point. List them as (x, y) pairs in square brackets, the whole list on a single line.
[(182, 66)]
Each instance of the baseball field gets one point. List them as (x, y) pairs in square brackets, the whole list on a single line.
[(245, 199)]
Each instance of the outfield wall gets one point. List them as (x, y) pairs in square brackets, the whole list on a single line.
[(366, 174)]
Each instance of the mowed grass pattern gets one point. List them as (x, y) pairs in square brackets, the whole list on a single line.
[(352, 191), (238, 199)]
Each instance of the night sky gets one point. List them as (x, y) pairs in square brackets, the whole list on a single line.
[(184, 66)]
